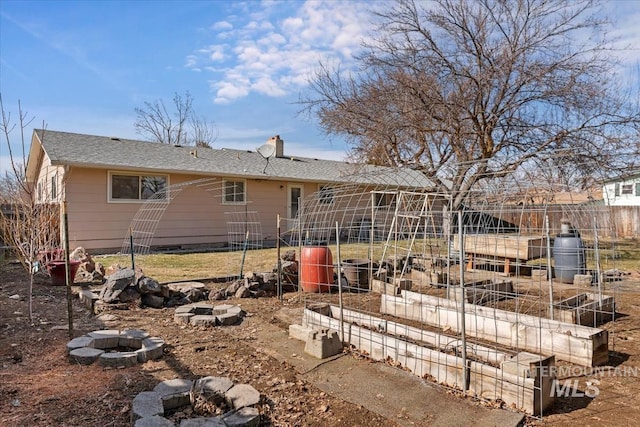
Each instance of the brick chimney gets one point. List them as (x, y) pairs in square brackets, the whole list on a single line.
[(278, 144)]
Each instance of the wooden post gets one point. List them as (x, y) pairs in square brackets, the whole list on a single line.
[(67, 266), (279, 260)]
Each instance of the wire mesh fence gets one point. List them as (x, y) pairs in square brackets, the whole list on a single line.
[(489, 297)]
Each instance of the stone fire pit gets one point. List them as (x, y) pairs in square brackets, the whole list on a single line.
[(216, 401), (203, 314), (115, 348)]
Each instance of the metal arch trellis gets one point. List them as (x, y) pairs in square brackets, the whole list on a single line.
[(391, 219), (145, 222)]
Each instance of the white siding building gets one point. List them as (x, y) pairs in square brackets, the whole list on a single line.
[(623, 191)]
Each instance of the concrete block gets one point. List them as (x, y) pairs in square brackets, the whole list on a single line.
[(242, 395), (88, 298), (85, 355), (153, 421), (323, 343), (582, 280), (174, 393), (203, 422), (299, 332), (245, 417), (108, 338), (151, 349), (203, 320), (146, 404), (183, 318), (79, 342), (132, 338), (216, 385), (118, 359)]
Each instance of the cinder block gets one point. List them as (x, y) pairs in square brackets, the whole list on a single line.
[(323, 343)]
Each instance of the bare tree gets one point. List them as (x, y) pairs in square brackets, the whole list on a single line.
[(178, 127), (29, 222), (466, 91)]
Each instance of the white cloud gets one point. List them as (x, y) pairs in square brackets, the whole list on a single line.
[(274, 50), (222, 25)]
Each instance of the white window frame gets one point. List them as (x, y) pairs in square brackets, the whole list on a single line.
[(290, 200), (626, 189), (244, 192), (111, 174), (53, 194)]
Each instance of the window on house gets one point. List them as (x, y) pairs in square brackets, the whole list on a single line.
[(233, 192), (137, 187), (627, 189), (325, 195), (638, 189), (617, 190), (54, 187), (40, 196)]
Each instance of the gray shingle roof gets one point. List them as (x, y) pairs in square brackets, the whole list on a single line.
[(64, 148)]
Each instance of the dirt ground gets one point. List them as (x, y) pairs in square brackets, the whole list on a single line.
[(39, 387)]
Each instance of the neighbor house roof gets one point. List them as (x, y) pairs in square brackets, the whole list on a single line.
[(64, 148), (625, 177)]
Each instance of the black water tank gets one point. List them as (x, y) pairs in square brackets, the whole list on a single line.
[(568, 253)]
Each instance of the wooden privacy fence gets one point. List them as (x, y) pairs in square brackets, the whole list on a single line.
[(611, 221)]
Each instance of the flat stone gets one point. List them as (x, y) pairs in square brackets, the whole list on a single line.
[(203, 320), (108, 338), (85, 355), (146, 404), (185, 286), (174, 393), (151, 349), (203, 422), (154, 421), (132, 338), (242, 395), (83, 341), (117, 359), (244, 417)]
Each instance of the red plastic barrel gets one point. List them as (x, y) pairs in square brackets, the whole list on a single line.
[(316, 269)]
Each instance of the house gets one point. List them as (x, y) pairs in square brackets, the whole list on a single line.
[(623, 191), (190, 196)]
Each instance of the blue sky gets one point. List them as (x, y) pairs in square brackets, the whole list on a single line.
[(83, 66)]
